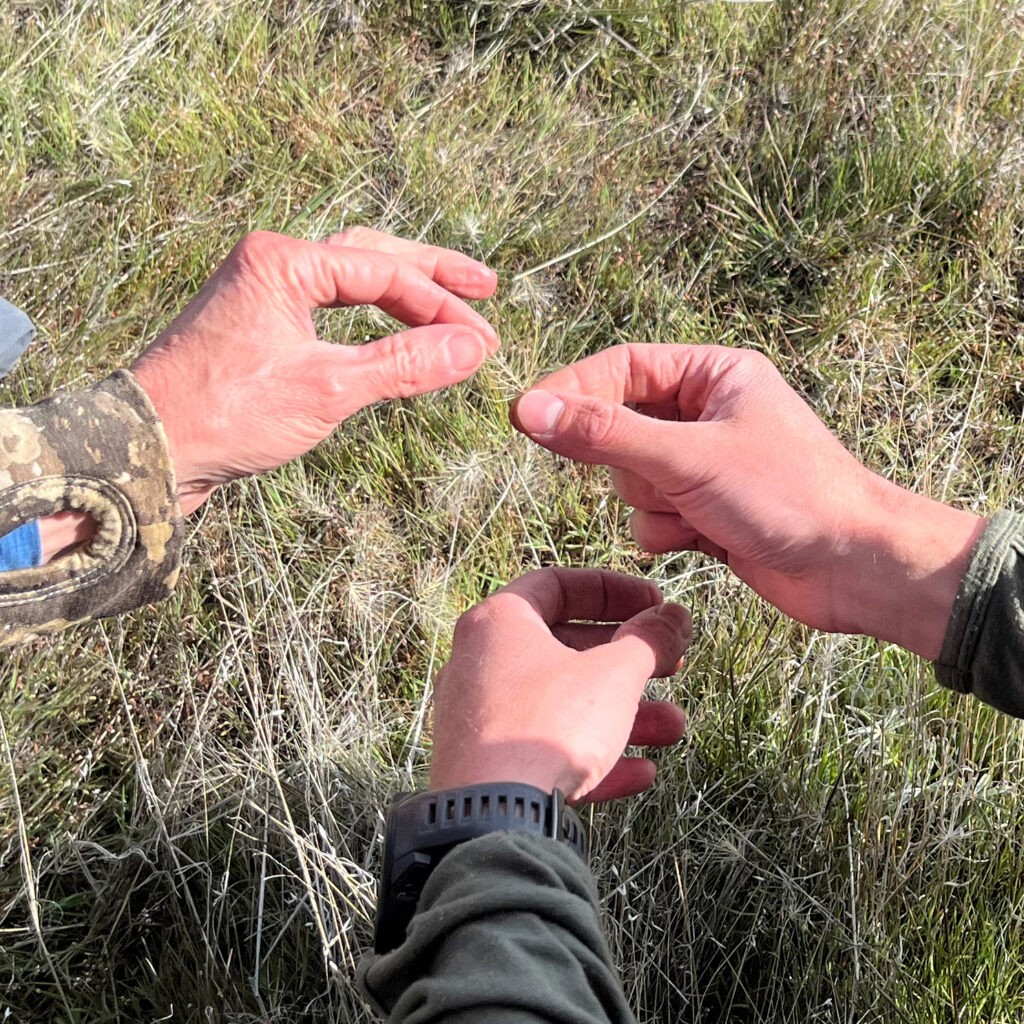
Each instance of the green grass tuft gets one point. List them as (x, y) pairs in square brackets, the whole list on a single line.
[(192, 795)]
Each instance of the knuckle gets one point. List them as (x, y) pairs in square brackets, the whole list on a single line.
[(675, 623), (355, 236), (598, 423), (537, 577), (685, 623), (480, 618), (755, 365), (441, 687), (251, 251), (398, 367), (499, 605), (330, 393)]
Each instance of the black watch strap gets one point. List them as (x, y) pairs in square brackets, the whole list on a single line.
[(423, 827)]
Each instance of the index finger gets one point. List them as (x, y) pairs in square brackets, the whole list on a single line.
[(337, 275), (593, 595), (681, 374), (454, 271)]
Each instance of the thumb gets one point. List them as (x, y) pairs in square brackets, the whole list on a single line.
[(649, 644), (594, 430), (402, 365)]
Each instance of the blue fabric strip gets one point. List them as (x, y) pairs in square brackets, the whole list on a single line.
[(21, 549), (16, 333)]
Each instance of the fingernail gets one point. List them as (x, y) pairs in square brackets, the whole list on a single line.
[(677, 614), (490, 332), (484, 329), (538, 412), (464, 351)]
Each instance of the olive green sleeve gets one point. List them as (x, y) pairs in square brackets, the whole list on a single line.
[(983, 650), (506, 931), (101, 451)]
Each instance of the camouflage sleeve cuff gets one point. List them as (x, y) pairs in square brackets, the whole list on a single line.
[(101, 451), (983, 650)]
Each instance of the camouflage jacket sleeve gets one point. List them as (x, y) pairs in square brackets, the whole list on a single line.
[(983, 650), (101, 451)]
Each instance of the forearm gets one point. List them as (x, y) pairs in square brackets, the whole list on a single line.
[(507, 931), (907, 559), (946, 584)]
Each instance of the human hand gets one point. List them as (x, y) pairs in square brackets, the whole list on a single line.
[(242, 383), (720, 455), (533, 694)]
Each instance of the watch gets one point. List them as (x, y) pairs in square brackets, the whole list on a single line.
[(423, 827)]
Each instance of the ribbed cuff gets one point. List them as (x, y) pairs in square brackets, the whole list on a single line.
[(983, 649), (970, 608)]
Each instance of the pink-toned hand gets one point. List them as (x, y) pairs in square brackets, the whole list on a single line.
[(243, 384), (719, 454), (544, 685)]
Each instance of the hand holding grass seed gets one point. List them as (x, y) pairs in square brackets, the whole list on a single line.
[(243, 384), (544, 682), (720, 455)]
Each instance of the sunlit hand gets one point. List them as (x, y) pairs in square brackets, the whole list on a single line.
[(720, 455), (243, 384), (544, 682)]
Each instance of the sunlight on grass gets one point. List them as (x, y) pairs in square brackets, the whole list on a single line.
[(192, 796)]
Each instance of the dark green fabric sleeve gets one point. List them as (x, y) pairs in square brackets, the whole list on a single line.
[(983, 650), (506, 932)]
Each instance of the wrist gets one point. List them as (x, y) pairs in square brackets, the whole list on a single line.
[(62, 532), (423, 827), (523, 763), (175, 407), (910, 554)]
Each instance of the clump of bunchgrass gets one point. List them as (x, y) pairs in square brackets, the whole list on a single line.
[(189, 825)]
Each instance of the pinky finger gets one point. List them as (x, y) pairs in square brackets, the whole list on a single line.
[(660, 532), (629, 777), (658, 723)]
